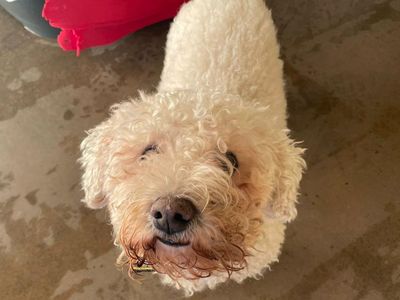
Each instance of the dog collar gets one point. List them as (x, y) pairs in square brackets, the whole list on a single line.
[(143, 269)]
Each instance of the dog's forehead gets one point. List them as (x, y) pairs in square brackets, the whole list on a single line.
[(187, 122), (181, 130), (184, 140)]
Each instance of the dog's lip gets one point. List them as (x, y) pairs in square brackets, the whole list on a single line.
[(173, 243)]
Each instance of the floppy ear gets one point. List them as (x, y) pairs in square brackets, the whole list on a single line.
[(95, 150), (290, 166)]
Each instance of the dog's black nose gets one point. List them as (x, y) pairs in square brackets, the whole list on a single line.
[(172, 215)]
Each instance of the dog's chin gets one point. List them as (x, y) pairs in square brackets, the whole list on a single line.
[(190, 258)]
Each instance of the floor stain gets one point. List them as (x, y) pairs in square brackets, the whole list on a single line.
[(68, 115), (52, 170), (381, 12), (5, 180), (70, 144), (31, 197)]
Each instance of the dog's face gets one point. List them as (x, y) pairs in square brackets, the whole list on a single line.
[(189, 179)]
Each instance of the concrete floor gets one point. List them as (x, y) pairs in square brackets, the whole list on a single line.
[(342, 63)]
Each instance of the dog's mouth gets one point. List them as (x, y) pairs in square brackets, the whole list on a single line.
[(173, 243)]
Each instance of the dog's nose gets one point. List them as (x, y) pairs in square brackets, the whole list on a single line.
[(172, 215)]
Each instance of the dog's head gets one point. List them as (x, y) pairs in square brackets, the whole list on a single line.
[(189, 179)]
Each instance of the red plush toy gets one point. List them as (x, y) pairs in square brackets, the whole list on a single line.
[(89, 23)]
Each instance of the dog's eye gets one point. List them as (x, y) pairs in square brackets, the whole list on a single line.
[(148, 149), (233, 160)]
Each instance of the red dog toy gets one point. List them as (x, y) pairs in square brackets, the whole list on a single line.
[(89, 23)]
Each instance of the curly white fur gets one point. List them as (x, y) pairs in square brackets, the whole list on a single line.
[(221, 89)]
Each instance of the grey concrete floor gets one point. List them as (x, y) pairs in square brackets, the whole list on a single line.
[(342, 66)]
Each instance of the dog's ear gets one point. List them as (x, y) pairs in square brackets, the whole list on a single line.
[(290, 166), (95, 150)]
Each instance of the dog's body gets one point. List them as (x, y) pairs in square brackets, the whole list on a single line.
[(229, 47), (201, 177)]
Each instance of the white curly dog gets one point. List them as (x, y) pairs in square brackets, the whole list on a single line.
[(201, 177)]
